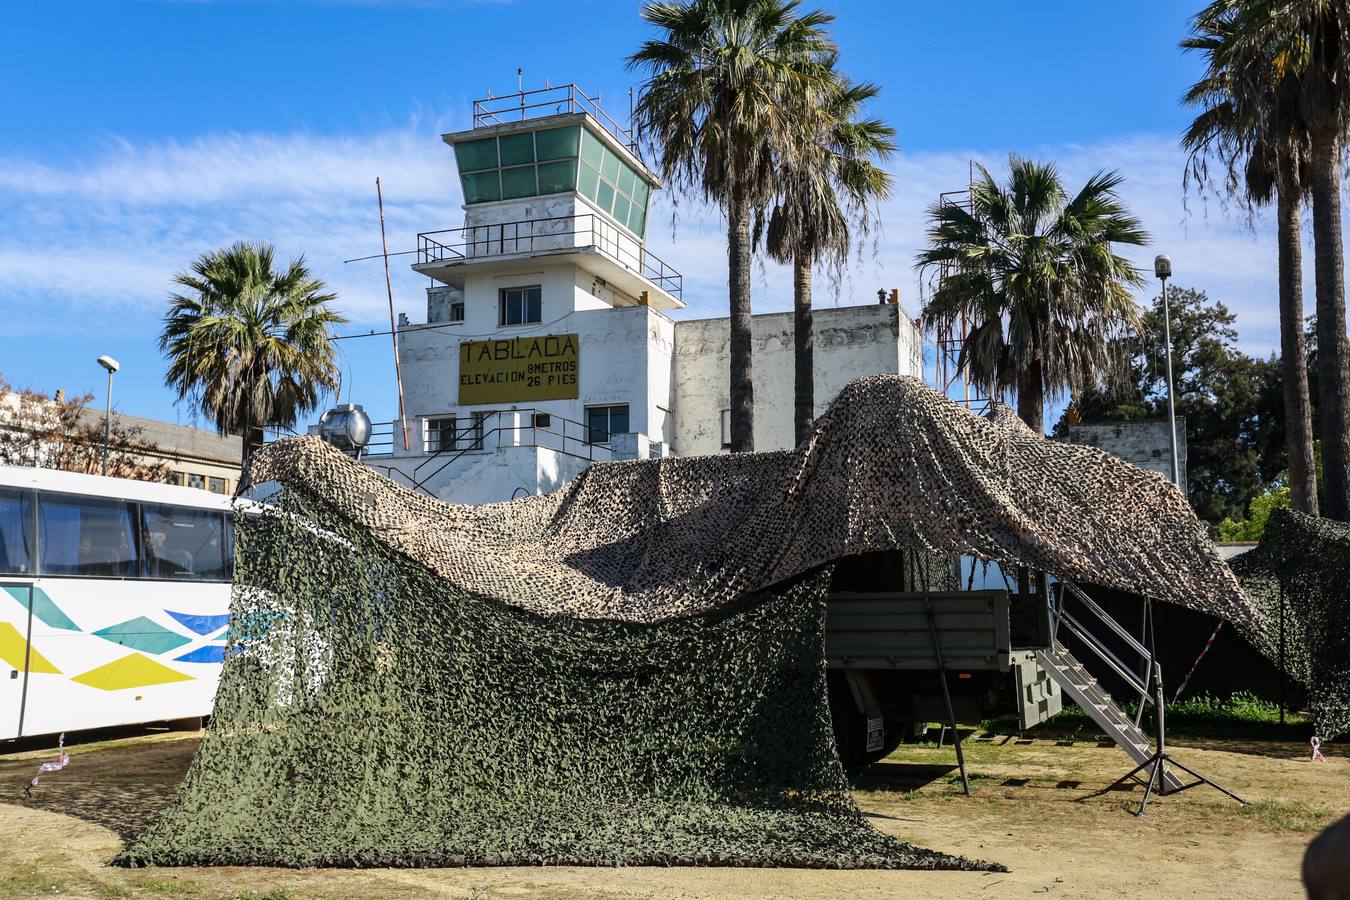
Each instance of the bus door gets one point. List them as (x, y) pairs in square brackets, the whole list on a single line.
[(16, 632)]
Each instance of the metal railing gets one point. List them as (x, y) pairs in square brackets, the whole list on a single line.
[(501, 428), (1139, 684), (547, 101), (558, 233)]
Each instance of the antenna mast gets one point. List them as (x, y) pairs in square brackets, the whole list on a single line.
[(393, 326)]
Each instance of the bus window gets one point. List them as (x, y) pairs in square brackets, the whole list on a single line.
[(184, 544), (87, 536), (16, 532)]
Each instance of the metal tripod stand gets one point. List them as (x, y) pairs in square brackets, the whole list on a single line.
[(1161, 756)]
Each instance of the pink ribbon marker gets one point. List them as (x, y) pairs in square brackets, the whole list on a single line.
[(62, 758), (1317, 748)]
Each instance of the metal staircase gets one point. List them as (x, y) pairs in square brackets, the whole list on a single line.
[(1092, 698)]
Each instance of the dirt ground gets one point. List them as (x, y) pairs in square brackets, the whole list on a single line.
[(1033, 810)]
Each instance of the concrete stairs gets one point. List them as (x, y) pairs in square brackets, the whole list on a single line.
[(1092, 698)]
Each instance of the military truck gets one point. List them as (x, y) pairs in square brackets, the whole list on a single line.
[(899, 624)]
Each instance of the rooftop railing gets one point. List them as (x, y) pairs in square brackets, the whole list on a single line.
[(557, 233), (548, 101)]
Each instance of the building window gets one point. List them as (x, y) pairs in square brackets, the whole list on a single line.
[(457, 312), (602, 422), (726, 429), (178, 478), (519, 165), (611, 184), (196, 481), (215, 485), (452, 433), (521, 306)]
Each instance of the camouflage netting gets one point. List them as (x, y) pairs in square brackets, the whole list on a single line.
[(1308, 559), (629, 670)]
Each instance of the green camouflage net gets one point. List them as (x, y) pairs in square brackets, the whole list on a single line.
[(1308, 560), (371, 714)]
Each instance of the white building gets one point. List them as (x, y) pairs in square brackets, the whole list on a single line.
[(549, 340)]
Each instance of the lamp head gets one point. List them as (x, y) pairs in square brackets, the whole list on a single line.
[(109, 363), (1162, 266)]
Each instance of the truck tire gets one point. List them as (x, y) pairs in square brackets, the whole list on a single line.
[(850, 728)]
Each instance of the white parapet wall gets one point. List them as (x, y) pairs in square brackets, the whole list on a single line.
[(850, 342)]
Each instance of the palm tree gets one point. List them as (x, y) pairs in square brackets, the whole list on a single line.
[(1310, 41), (729, 84), (1251, 123), (808, 224), (1036, 273), (248, 345)]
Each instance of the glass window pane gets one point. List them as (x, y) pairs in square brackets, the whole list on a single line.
[(184, 544), (482, 187), (555, 177), (588, 182), (16, 532), (637, 217), (597, 425), (626, 180), (610, 166), (592, 150), (641, 190), (534, 305), (605, 198), (618, 419), (517, 148), (87, 536), (473, 155), (621, 207), (557, 143), (518, 182)]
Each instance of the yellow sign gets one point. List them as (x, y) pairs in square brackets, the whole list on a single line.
[(518, 370)]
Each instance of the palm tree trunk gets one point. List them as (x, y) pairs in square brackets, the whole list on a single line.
[(1298, 436), (738, 276), (1333, 352), (803, 360), (1031, 396)]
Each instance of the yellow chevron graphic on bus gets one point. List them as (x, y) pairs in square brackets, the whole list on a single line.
[(128, 672), (12, 651)]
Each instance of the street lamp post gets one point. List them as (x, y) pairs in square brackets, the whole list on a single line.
[(1162, 268), (112, 366)]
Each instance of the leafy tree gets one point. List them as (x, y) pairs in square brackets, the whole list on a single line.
[(61, 432), (1230, 401), (1252, 124), (1309, 40), (829, 186), (1252, 527), (1036, 271), (247, 344), (731, 85)]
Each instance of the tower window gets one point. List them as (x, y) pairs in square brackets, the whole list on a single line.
[(521, 306), (605, 421)]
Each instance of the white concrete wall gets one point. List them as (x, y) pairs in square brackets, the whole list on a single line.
[(850, 342)]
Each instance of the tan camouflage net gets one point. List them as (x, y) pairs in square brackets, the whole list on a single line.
[(891, 464), (628, 671)]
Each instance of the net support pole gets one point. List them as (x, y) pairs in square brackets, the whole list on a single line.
[(942, 677), (393, 326)]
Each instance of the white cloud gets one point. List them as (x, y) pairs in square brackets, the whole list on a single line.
[(92, 244)]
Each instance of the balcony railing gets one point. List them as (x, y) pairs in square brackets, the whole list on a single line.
[(557, 233), (549, 101)]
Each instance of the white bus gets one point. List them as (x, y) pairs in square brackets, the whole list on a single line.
[(114, 600)]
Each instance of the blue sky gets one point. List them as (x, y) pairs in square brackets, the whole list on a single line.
[(138, 133)]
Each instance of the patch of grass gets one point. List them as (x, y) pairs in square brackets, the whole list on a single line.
[(274, 894), (170, 887), (1241, 715), (1286, 815)]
